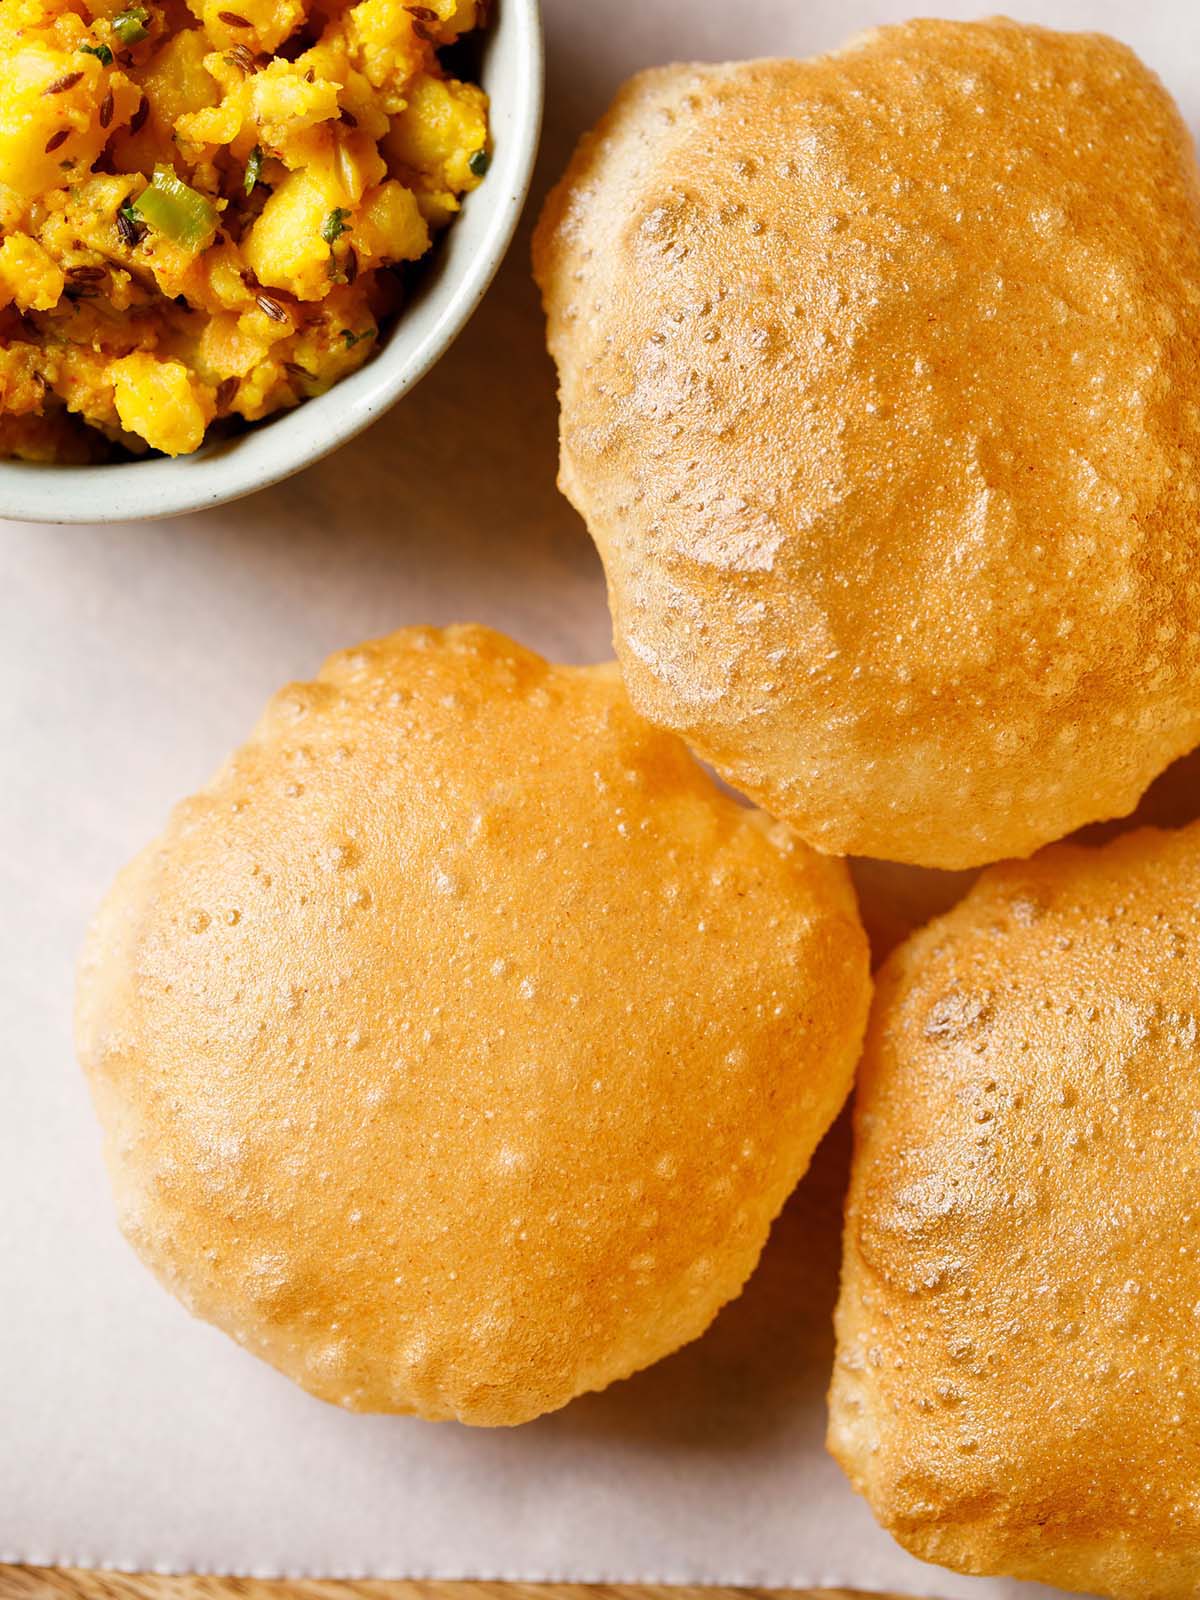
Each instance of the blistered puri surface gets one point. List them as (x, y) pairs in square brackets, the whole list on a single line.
[(1016, 1387), (880, 396), (456, 1047)]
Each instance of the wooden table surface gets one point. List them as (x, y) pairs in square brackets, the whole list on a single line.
[(55, 1583)]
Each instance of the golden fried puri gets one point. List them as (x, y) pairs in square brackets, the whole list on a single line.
[(1016, 1388), (457, 1045), (881, 398)]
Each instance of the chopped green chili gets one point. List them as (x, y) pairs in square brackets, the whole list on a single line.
[(132, 26), (176, 211), (254, 164)]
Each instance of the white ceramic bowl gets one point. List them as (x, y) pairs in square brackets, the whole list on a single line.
[(450, 287)]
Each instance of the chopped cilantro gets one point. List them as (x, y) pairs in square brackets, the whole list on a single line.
[(335, 224), (254, 166), (478, 163), (101, 52)]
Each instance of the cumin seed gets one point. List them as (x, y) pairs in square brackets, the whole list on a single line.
[(61, 85), (129, 231)]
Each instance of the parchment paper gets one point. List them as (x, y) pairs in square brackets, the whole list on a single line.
[(133, 659)]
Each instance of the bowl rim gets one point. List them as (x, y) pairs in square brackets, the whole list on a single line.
[(140, 491)]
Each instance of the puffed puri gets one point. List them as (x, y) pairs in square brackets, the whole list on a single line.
[(1016, 1389), (880, 397), (456, 1047)]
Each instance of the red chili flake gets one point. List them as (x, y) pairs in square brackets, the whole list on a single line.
[(57, 140), (106, 110), (270, 308), (61, 85), (138, 121)]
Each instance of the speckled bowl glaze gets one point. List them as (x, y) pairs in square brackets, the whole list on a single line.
[(449, 290)]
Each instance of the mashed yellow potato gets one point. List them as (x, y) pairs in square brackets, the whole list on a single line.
[(195, 205)]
